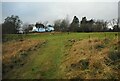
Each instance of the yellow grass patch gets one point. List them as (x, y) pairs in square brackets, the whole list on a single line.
[(89, 54), (13, 48)]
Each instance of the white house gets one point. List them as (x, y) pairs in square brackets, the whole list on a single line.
[(48, 28)]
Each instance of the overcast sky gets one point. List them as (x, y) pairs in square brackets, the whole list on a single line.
[(32, 12)]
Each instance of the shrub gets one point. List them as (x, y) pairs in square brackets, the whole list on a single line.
[(99, 46), (114, 55), (84, 63)]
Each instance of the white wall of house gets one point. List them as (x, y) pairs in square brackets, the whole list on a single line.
[(42, 29)]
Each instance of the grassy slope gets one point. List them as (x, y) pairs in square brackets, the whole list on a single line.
[(46, 61)]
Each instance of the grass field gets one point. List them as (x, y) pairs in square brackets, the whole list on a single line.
[(61, 56)]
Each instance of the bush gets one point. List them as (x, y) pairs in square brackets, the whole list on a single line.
[(99, 46), (114, 55), (84, 63)]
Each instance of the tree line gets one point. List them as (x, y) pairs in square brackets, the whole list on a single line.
[(13, 23), (86, 25)]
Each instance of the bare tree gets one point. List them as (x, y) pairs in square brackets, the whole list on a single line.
[(57, 25), (45, 23)]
